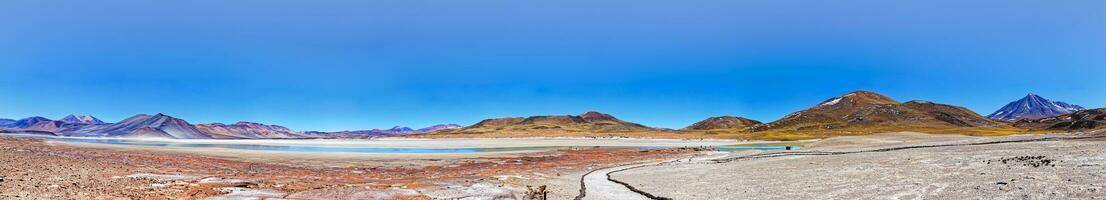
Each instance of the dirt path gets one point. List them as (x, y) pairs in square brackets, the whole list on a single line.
[(597, 186)]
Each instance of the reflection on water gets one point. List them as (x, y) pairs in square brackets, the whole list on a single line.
[(294, 148)]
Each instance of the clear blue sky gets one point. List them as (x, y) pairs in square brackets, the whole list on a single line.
[(337, 65)]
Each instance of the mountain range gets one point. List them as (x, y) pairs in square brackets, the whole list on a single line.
[(164, 126), (856, 112), (1033, 107), (394, 131)]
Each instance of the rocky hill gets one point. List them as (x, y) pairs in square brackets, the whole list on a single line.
[(247, 130), (723, 122), (865, 112), (587, 122), (1079, 120)]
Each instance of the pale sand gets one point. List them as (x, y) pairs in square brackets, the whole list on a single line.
[(1077, 171)]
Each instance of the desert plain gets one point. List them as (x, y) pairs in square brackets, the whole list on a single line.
[(899, 165)]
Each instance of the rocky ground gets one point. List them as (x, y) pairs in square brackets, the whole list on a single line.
[(1069, 169), (33, 169)]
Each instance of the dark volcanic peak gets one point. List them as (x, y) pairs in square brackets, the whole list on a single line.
[(1033, 107), (723, 122), (81, 119)]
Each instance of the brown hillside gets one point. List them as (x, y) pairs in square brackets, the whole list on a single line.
[(723, 122), (863, 111), (588, 122), (1079, 120)]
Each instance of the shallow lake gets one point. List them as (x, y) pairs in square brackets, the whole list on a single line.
[(347, 149)]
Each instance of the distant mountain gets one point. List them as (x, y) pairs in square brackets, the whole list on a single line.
[(173, 127), (1083, 119), (863, 111), (439, 128), (42, 124), (587, 122), (243, 130), (6, 123), (1033, 107), (723, 122), (401, 129), (48, 126), (164, 126), (81, 119), (394, 131), (27, 122)]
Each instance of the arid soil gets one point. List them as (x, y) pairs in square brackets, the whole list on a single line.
[(1052, 169), (33, 169)]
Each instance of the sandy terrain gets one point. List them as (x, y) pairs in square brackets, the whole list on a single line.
[(854, 167), (1068, 169), (34, 169)]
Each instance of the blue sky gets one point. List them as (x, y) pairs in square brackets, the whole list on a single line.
[(339, 65)]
